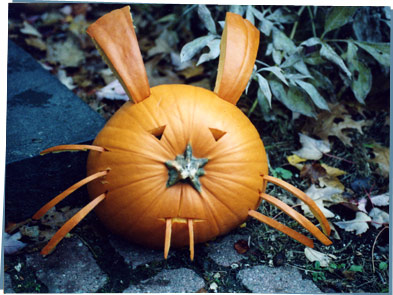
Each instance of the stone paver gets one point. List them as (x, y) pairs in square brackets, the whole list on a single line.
[(265, 279), (182, 280), (133, 254), (8, 284), (71, 268), (223, 252)]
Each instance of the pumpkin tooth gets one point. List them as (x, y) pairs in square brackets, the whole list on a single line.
[(306, 199), (70, 224), (67, 192), (168, 234), (73, 148), (191, 235), (303, 221), (281, 227)]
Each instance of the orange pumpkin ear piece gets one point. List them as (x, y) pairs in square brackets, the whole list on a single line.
[(239, 48), (115, 38)]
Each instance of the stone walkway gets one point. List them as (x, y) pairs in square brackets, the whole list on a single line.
[(72, 268)]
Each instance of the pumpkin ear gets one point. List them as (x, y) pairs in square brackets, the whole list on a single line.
[(239, 48), (115, 39)]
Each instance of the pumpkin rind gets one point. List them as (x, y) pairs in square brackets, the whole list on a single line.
[(138, 200), (239, 48), (126, 60)]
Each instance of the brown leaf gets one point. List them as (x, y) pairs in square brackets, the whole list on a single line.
[(382, 158), (241, 246), (326, 124), (312, 171)]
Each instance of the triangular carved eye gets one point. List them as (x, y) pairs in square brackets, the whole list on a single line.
[(157, 132), (217, 134)]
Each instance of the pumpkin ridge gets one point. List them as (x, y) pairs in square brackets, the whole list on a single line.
[(224, 177), (208, 200), (134, 182), (213, 195)]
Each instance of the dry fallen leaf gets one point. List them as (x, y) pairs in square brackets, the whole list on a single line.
[(313, 255), (28, 29), (325, 125), (359, 224), (67, 53), (312, 149), (313, 171), (379, 217), (12, 243), (241, 246), (382, 158), (380, 200), (113, 90), (323, 197), (36, 43)]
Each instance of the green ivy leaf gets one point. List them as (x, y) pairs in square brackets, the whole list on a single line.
[(264, 86), (267, 113), (319, 101), (282, 42), (337, 17), (206, 18), (329, 53), (250, 14), (293, 100), (362, 80), (214, 47), (380, 51), (277, 72), (191, 48)]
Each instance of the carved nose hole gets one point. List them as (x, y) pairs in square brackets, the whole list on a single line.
[(217, 134), (158, 132)]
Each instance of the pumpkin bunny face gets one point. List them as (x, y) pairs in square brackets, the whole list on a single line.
[(182, 164), (215, 130)]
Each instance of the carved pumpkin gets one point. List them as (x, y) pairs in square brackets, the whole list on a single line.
[(180, 165)]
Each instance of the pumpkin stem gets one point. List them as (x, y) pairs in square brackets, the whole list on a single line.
[(70, 224), (282, 228), (303, 221), (186, 168), (168, 234), (303, 197), (67, 192)]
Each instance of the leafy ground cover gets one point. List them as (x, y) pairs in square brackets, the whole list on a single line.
[(337, 150)]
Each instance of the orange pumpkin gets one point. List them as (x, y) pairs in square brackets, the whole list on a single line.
[(182, 164)]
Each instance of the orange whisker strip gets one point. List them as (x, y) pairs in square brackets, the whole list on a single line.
[(72, 148), (306, 199), (191, 234), (282, 228), (168, 234), (67, 192), (303, 221), (70, 224)]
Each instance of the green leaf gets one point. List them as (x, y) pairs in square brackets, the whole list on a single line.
[(191, 48), (264, 86), (282, 173), (357, 268), (282, 42), (311, 42), (380, 51), (383, 265), (321, 81), (278, 16), (214, 46), (328, 53), (319, 101), (277, 72), (206, 18), (293, 100), (337, 17)]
